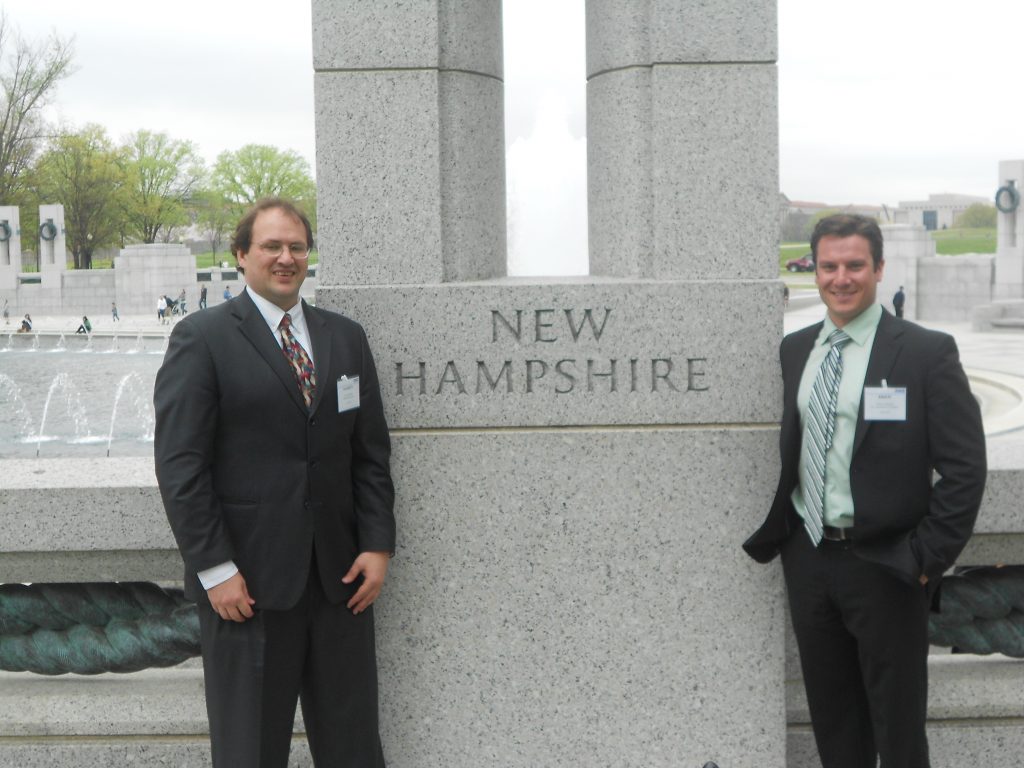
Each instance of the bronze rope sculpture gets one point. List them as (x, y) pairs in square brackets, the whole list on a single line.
[(53, 629)]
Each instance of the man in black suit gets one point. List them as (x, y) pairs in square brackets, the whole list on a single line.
[(874, 409), (272, 456), (898, 300)]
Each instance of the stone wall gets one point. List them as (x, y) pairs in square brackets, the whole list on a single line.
[(950, 287)]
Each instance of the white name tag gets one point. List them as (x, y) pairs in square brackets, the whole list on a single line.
[(348, 393), (885, 403)]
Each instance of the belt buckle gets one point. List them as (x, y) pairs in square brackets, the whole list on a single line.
[(836, 534)]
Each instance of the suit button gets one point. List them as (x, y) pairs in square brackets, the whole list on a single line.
[(312, 422), (306, 504), (313, 464)]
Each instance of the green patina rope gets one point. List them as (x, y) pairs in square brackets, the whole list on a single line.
[(53, 629), (982, 612)]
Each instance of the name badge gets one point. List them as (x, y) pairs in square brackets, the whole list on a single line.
[(885, 403), (348, 393)]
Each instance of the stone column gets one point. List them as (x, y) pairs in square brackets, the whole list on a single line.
[(10, 247), (577, 459), (53, 252), (1010, 234), (410, 135), (682, 138), (904, 245)]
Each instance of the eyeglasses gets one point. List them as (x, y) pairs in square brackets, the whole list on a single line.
[(273, 248)]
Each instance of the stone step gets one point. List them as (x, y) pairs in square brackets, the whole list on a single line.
[(975, 714), (152, 718)]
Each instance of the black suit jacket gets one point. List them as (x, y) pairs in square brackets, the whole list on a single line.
[(902, 520), (248, 473)]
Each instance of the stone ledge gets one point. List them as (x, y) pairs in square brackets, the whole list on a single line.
[(961, 687), (952, 745)]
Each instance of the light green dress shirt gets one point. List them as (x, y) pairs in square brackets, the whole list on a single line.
[(838, 496)]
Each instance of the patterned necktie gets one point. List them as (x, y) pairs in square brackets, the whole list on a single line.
[(297, 358), (820, 423)]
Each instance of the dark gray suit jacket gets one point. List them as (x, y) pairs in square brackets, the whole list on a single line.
[(248, 473), (902, 521)]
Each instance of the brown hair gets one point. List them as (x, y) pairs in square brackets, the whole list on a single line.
[(241, 240), (845, 225)]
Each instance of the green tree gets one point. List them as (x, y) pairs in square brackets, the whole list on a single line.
[(980, 215), (84, 171), (160, 174), (257, 171), (214, 216), (29, 72)]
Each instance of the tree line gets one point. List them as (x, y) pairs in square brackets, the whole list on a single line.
[(147, 188)]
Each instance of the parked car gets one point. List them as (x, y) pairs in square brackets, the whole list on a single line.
[(803, 264)]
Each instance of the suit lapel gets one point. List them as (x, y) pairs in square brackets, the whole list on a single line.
[(320, 338), (884, 353), (255, 329)]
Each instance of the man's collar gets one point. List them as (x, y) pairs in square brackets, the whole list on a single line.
[(273, 313), (859, 329)]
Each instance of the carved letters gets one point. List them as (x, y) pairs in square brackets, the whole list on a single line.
[(509, 373)]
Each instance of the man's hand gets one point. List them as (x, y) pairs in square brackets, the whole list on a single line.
[(923, 579), (230, 599), (374, 567)]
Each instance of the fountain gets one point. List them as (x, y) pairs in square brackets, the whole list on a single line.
[(68, 403), (62, 383), (139, 401), (13, 403)]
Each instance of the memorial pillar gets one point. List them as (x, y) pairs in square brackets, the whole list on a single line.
[(682, 138), (10, 247), (577, 460), (53, 253), (1009, 282)]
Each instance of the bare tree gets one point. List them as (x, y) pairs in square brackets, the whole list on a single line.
[(29, 72)]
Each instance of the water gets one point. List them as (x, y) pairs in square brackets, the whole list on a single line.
[(91, 401)]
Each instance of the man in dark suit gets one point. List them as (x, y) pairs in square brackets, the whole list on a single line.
[(272, 456), (883, 468), (898, 300)]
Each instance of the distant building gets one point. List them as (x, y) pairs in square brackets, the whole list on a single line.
[(795, 215), (810, 208), (937, 212)]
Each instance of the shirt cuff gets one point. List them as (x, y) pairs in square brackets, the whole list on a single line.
[(211, 577)]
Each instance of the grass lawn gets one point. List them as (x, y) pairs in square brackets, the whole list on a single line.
[(952, 242)]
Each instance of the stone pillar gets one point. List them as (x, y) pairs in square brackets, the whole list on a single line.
[(410, 130), (577, 459), (1010, 234), (903, 246), (682, 138), (10, 247), (53, 252)]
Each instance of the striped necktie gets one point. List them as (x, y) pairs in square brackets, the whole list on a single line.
[(820, 423), (299, 361)]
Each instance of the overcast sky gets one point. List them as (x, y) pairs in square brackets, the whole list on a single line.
[(883, 101)]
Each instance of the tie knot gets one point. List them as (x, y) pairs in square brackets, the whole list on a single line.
[(838, 338), (286, 322)]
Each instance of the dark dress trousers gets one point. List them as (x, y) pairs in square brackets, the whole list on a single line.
[(859, 611), (292, 495)]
